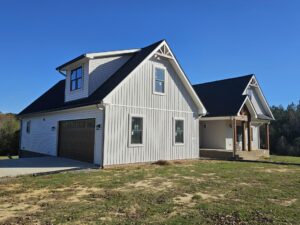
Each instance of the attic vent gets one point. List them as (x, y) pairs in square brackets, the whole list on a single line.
[(253, 83)]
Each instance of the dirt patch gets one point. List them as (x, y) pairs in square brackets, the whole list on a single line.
[(206, 196), (245, 184), (32, 201), (9, 210), (208, 174), (283, 202), (188, 199), (32, 194), (197, 179), (283, 170), (152, 184)]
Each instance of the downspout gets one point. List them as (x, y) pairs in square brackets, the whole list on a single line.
[(102, 107)]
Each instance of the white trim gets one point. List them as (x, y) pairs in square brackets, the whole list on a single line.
[(110, 53), (260, 95), (251, 105), (154, 79), (82, 79), (37, 114), (129, 130), (94, 55), (215, 118), (140, 107), (197, 101), (174, 131), (188, 85)]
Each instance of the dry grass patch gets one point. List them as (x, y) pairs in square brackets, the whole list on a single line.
[(283, 202)]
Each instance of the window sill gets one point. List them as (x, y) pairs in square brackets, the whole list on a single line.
[(135, 145), (159, 93), (178, 144), (77, 90)]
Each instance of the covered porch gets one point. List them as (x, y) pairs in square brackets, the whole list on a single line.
[(235, 137)]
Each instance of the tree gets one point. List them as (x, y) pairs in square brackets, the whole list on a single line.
[(285, 130), (9, 134)]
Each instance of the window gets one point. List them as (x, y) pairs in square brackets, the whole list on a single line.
[(239, 131), (76, 79), (179, 131), (136, 130), (250, 93), (159, 80), (28, 127)]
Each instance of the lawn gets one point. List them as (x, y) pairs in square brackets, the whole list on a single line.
[(12, 157), (191, 192), (284, 159)]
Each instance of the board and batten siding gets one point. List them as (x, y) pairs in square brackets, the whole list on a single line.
[(256, 101), (102, 68), (135, 96), (43, 139)]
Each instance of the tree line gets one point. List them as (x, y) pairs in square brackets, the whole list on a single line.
[(285, 130)]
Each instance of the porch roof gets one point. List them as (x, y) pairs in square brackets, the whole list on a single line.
[(223, 97)]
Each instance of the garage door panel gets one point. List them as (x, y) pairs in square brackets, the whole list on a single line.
[(76, 139)]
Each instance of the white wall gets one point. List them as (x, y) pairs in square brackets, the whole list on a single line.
[(217, 135), (80, 93), (42, 139), (136, 96), (102, 68)]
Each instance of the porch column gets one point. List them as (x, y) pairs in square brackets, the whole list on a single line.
[(249, 136), (234, 136), (267, 136), (244, 135)]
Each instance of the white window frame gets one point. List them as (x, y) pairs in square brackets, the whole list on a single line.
[(154, 78), (174, 131), (129, 130), (82, 78)]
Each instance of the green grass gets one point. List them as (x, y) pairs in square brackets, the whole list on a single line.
[(6, 157), (193, 192), (285, 159)]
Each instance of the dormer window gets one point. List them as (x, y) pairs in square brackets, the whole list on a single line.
[(76, 79)]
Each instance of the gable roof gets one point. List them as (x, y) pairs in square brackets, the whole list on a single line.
[(54, 98), (223, 97)]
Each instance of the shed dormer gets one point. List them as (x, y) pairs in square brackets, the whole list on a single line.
[(87, 72)]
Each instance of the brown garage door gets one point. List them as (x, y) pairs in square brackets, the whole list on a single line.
[(76, 139)]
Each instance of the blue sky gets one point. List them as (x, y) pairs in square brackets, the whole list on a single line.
[(211, 39)]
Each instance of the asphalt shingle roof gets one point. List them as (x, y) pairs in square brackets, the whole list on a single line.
[(54, 98), (223, 97)]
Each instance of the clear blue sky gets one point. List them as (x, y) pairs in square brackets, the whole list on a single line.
[(212, 40)]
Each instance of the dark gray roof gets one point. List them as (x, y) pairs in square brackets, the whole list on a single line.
[(223, 97), (54, 98)]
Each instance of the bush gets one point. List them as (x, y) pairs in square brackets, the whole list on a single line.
[(9, 134)]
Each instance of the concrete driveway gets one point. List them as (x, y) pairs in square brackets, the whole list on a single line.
[(39, 165)]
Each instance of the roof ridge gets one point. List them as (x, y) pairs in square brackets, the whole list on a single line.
[(226, 79)]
